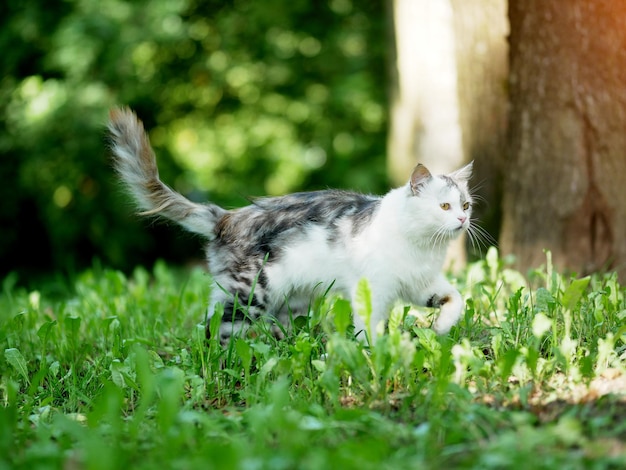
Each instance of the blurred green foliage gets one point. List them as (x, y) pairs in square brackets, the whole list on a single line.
[(241, 98)]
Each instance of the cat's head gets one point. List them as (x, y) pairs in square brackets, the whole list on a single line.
[(440, 205)]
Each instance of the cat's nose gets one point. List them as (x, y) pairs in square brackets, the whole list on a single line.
[(462, 219)]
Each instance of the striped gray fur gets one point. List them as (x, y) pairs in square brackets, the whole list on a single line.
[(252, 238), (242, 241)]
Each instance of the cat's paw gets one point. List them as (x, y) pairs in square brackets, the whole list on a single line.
[(451, 311)]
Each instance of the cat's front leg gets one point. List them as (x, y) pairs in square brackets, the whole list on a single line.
[(442, 295)]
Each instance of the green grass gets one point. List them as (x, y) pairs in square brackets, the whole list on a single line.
[(114, 372)]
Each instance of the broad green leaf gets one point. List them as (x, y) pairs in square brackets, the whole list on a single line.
[(586, 366), (300, 323), (216, 321), (267, 368), (261, 349), (342, 312), (319, 365), (140, 362), (17, 361), (428, 339), (44, 330), (574, 292), (171, 387), (363, 302), (532, 359), (116, 373), (492, 260), (507, 361), (244, 351), (497, 344), (396, 316), (53, 370), (72, 324)]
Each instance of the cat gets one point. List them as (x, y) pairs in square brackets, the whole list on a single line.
[(274, 254)]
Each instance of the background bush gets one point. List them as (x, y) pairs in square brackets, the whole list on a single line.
[(241, 99)]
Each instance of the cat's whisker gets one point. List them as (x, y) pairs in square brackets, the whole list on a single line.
[(433, 238), (478, 200), (484, 235), (474, 242), (439, 237), (480, 238)]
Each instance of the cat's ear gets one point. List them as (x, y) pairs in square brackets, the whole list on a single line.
[(419, 177), (463, 174)]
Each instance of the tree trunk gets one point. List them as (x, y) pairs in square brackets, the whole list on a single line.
[(481, 29), (424, 106), (566, 166)]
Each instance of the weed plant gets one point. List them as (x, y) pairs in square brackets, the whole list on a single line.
[(116, 373)]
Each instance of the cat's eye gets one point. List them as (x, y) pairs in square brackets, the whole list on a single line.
[(466, 205), (445, 206)]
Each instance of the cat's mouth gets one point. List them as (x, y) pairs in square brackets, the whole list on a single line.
[(461, 228)]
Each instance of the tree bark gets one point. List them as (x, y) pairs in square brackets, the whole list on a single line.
[(481, 29), (566, 168)]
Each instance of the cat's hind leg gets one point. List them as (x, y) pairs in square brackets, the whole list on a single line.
[(379, 314), (237, 313)]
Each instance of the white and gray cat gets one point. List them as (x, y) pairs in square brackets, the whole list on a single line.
[(275, 253)]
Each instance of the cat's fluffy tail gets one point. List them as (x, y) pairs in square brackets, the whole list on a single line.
[(136, 165)]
